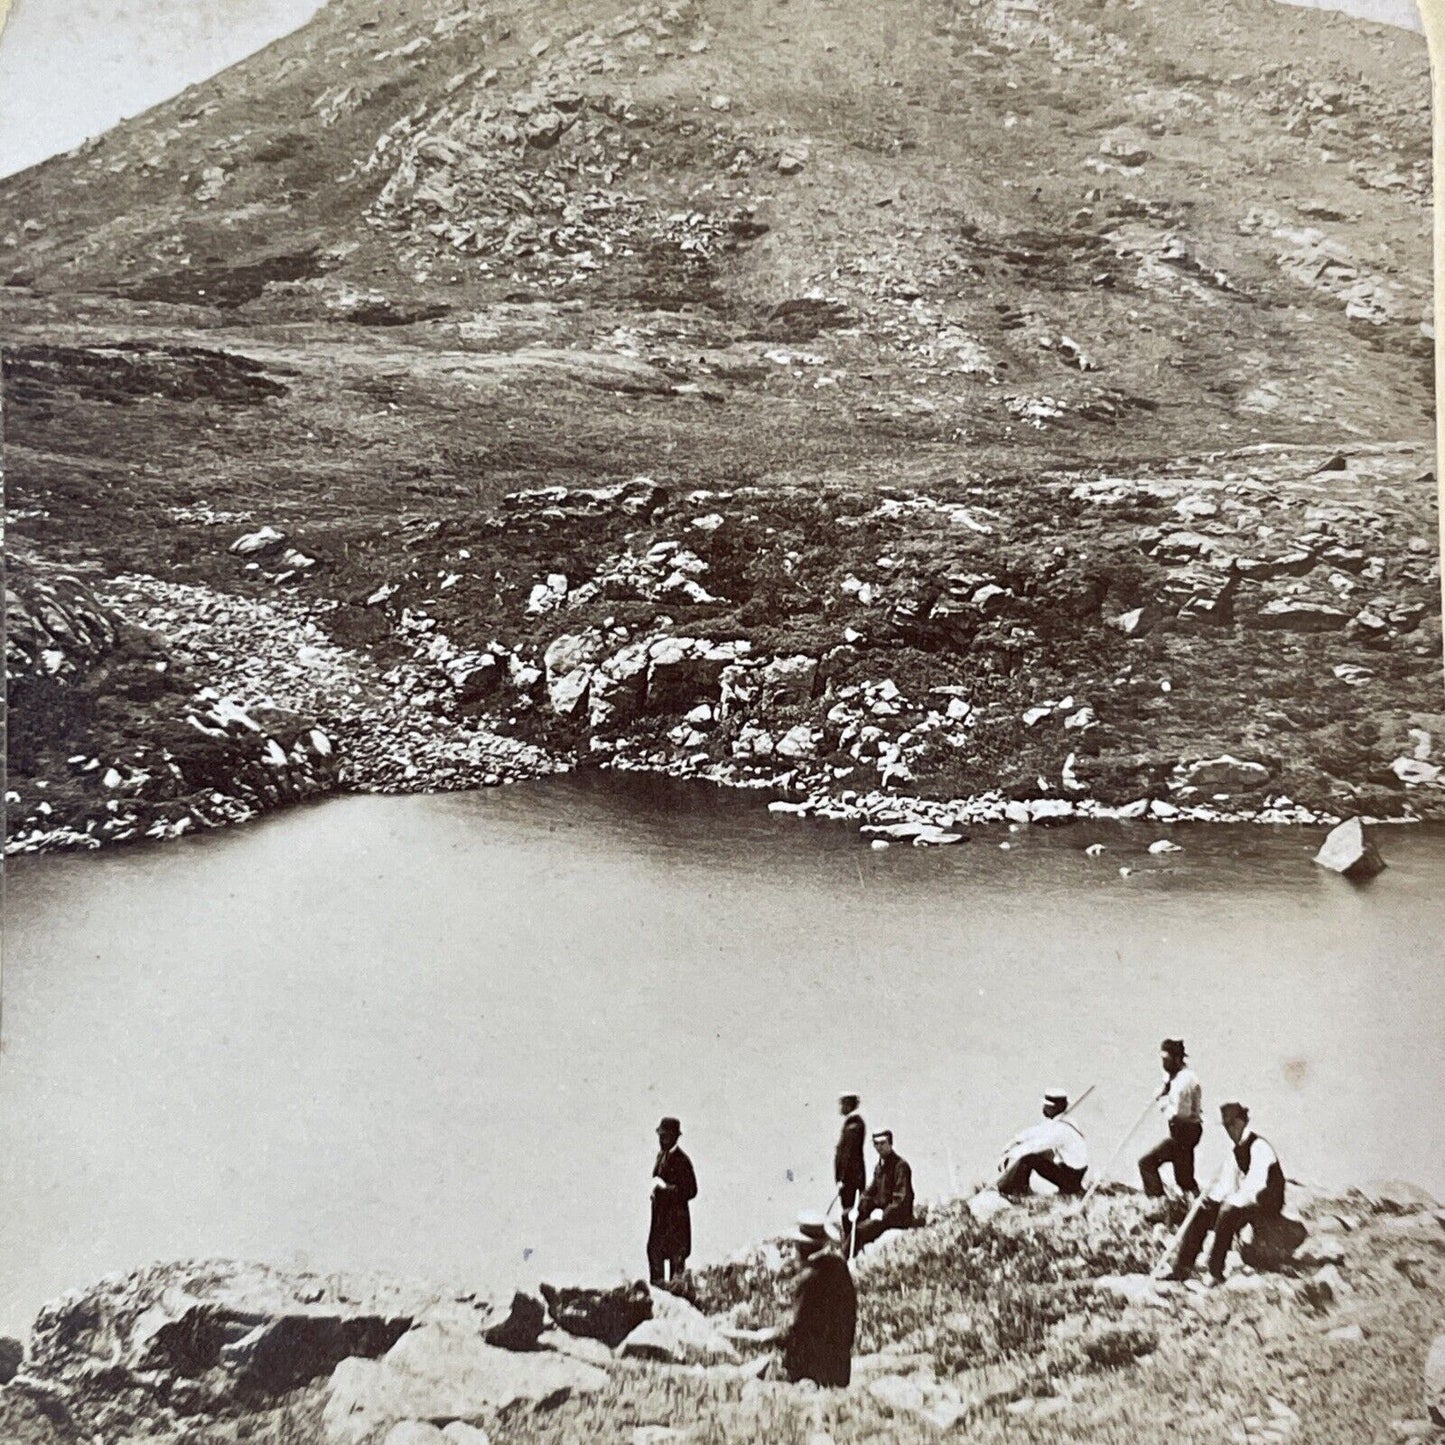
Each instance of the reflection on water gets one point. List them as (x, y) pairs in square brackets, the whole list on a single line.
[(433, 1034)]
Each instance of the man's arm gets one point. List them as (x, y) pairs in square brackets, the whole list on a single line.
[(686, 1178), (1247, 1193), (902, 1186)]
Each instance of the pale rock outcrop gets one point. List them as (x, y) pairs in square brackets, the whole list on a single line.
[(441, 1371)]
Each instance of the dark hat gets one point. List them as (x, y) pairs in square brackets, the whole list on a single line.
[(1235, 1110), (883, 1134), (848, 1099), (668, 1125), (1173, 1046), (1056, 1096)]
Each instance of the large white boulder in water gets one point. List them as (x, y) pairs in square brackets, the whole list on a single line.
[(1348, 851)]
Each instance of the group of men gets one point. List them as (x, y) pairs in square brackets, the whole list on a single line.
[(884, 1203), (818, 1344), (1248, 1190)]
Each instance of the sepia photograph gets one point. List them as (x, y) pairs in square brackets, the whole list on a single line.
[(724, 723)]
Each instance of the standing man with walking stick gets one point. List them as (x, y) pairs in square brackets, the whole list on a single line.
[(1181, 1101), (849, 1172)]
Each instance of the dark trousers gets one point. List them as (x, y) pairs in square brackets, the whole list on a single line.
[(1178, 1150), (659, 1260), (848, 1196), (865, 1231), (1226, 1220), (1019, 1175)]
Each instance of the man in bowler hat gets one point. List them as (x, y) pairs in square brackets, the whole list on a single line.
[(674, 1185)]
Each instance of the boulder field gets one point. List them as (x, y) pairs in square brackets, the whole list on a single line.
[(1219, 640), (987, 1320)]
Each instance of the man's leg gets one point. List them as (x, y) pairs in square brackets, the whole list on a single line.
[(1231, 1220), (1019, 1175), (866, 1231), (656, 1262), (1185, 1137), (1161, 1153), (1193, 1241), (1064, 1179)]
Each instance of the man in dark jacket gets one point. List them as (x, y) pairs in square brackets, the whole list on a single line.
[(849, 1171), (889, 1194), (819, 1343), (669, 1241)]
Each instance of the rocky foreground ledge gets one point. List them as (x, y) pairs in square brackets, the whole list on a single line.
[(1250, 637), (990, 1322)]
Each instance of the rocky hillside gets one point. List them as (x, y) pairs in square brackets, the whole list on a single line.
[(992, 1323), (918, 367)]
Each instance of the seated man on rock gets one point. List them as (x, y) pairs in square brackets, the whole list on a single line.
[(889, 1194), (1249, 1190), (1054, 1150), (819, 1343)]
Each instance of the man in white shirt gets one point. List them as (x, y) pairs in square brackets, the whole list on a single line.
[(1054, 1150), (1181, 1101), (1250, 1188)]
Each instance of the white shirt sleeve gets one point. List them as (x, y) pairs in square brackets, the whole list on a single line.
[(1252, 1186), (1225, 1182)]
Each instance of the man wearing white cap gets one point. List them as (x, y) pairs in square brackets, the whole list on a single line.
[(818, 1345), (1054, 1150), (849, 1171)]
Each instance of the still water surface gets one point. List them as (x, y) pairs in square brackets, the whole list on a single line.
[(434, 1034)]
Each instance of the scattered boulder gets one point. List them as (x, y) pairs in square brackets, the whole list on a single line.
[(608, 1314), (443, 1370), (1293, 614), (268, 1329), (792, 157), (678, 1334), (1435, 1381), (619, 687), (683, 671), (987, 1204), (414, 1432), (1347, 850), (258, 543), (519, 1325), (940, 1405), (568, 661), (1273, 1242), (1226, 774), (458, 1433)]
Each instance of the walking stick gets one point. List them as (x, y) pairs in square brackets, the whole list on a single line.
[(1159, 1271), (1114, 1158)]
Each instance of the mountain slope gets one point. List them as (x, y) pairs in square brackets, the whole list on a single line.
[(413, 257)]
